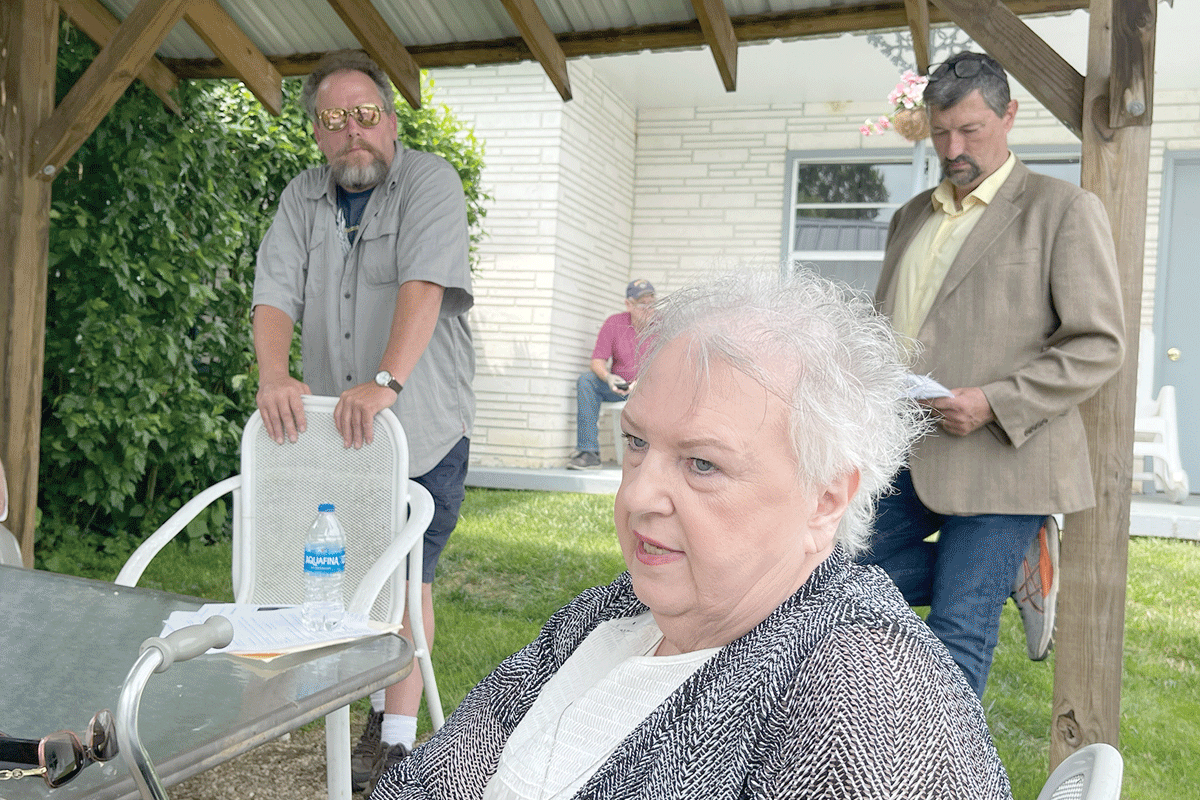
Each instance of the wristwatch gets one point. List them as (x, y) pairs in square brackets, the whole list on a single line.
[(384, 378)]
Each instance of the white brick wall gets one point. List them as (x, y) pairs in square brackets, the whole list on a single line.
[(590, 194), (556, 258)]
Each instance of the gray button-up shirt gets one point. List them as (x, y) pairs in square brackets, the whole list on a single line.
[(414, 228)]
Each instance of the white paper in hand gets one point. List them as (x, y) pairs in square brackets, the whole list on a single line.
[(923, 387)]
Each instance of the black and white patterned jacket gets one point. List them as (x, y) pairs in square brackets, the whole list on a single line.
[(842, 692)]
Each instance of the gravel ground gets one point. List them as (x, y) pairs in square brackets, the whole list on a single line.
[(291, 768)]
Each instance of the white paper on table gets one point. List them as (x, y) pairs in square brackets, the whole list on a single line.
[(924, 387), (267, 631)]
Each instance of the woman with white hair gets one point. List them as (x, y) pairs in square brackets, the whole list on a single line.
[(742, 654)]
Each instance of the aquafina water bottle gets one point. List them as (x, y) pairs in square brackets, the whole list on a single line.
[(324, 566)]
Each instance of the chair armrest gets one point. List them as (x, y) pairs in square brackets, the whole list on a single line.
[(131, 573), (420, 514)]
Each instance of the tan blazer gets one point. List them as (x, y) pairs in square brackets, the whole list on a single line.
[(1030, 312)]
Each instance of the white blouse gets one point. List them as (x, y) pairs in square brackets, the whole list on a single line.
[(602, 692)]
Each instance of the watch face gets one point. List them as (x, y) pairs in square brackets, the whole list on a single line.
[(383, 378)]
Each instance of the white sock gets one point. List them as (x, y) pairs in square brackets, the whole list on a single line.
[(377, 700), (399, 729)]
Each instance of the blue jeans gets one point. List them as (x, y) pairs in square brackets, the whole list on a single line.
[(445, 483), (590, 393), (964, 577)]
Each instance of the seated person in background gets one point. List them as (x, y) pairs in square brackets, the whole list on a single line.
[(743, 654), (618, 343)]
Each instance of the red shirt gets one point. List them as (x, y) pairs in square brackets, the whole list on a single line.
[(618, 342)]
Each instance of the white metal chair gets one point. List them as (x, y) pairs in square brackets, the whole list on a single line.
[(1090, 773), (10, 548), (618, 437), (275, 499), (1156, 430)]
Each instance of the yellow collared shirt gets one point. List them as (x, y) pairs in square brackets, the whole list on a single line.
[(924, 265)]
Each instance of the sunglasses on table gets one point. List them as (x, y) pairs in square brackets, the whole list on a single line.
[(59, 757), (334, 119)]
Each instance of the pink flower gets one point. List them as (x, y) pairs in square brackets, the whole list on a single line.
[(908, 94)]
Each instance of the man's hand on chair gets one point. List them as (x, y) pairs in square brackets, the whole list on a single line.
[(279, 404), (356, 410)]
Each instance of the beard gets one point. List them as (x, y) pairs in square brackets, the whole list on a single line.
[(961, 178), (356, 176)]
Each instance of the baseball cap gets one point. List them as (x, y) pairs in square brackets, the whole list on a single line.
[(639, 288)]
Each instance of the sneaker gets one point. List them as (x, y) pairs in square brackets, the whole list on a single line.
[(1035, 590), (389, 756), (366, 752), (584, 460)]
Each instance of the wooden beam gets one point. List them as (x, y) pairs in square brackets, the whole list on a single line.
[(722, 41), (28, 57), (1095, 554), (887, 14), (918, 24), (1040, 69), (99, 25), (94, 94), (541, 42), (382, 45), (1131, 85), (213, 24)]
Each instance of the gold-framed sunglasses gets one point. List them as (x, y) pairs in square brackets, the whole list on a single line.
[(334, 119), (59, 757)]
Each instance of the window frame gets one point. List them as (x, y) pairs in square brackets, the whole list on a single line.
[(922, 160)]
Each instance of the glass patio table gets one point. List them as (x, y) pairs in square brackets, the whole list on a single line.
[(67, 644)]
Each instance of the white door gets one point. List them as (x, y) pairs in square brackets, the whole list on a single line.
[(1176, 334)]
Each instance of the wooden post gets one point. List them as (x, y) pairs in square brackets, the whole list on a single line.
[(28, 57), (1091, 607)]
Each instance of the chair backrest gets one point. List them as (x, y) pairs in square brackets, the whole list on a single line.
[(1145, 372), (10, 549), (282, 485), (1090, 773)]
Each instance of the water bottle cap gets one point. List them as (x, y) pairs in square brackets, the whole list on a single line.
[(324, 507)]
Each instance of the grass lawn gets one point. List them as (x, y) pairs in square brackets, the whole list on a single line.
[(517, 556)]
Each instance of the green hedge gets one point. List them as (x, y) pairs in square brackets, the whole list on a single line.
[(150, 372)]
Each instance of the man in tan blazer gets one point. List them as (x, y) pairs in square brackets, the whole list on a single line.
[(1007, 281)]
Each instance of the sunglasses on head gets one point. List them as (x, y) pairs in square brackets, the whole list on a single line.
[(966, 67), (59, 757), (334, 119)]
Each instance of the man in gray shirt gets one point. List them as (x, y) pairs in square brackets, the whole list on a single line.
[(371, 251)]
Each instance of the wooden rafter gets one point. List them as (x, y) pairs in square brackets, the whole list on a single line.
[(541, 42), (1040, 69), (99, 25), (722, 41), (888, 14), (222, 35), (89, 100), (382, 45), (918, 24)]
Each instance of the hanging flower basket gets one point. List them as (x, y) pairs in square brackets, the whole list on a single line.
[(908, 116), (911, 123)]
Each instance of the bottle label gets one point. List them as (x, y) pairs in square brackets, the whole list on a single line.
[(324, 562)]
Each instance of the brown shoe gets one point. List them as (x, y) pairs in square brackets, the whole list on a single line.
[(389, 756), (366, 752)]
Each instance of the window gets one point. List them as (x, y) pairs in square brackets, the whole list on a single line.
[(839, 203), (839, 207)]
